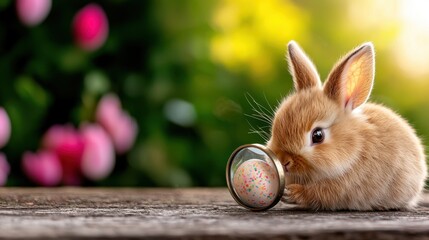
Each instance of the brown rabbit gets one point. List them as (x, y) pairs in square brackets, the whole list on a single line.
[(338, 151)]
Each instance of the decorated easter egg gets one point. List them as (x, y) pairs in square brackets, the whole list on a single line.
[(256, 183)]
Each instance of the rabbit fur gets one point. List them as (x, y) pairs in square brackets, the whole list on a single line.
[(370, 157)]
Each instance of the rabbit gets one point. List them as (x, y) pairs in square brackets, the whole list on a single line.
[(338, 151)]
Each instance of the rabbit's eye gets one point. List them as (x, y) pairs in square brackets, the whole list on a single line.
[(317, 136)]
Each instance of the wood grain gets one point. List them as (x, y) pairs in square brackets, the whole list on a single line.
[(198, 213)]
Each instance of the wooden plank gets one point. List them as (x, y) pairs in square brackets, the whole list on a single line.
[(77, 213)]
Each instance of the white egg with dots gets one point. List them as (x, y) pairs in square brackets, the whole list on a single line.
[(256, 183)]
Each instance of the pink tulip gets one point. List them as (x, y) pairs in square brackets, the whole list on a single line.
[(32, 12), (54, 136), (99, 157), (125, 133), (4, 169), (68, 144), (44, 168), (90, 27), (120, 126), (109, 109), (5, 127)]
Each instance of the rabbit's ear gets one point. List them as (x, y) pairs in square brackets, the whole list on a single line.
[(351, 80), (303, 71)]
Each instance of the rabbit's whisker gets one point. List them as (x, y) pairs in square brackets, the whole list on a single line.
[(262, 114)]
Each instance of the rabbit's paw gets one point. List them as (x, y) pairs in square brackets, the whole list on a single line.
[(294, 194)]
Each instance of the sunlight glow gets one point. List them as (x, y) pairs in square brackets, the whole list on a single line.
[(400, 27), (412, 45)]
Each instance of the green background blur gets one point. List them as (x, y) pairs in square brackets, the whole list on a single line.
[(203, 58)]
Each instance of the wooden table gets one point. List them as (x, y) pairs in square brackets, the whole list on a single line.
[(201, 213)]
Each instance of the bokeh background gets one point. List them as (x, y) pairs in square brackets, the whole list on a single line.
[(188, 73)]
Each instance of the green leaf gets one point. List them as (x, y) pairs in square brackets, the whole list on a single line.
[(30, 91)]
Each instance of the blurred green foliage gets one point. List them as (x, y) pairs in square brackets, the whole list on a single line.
[(202, 57)]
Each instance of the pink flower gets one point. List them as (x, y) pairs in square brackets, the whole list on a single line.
[(44, 168), (99, 156), (90, 27), (32, 12), (120, 126), (68, 145), (4, 169), (5, 127)]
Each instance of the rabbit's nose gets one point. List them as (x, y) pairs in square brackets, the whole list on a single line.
[(287, 165)]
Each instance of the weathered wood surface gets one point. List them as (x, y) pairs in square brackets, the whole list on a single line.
[(68, 213)]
